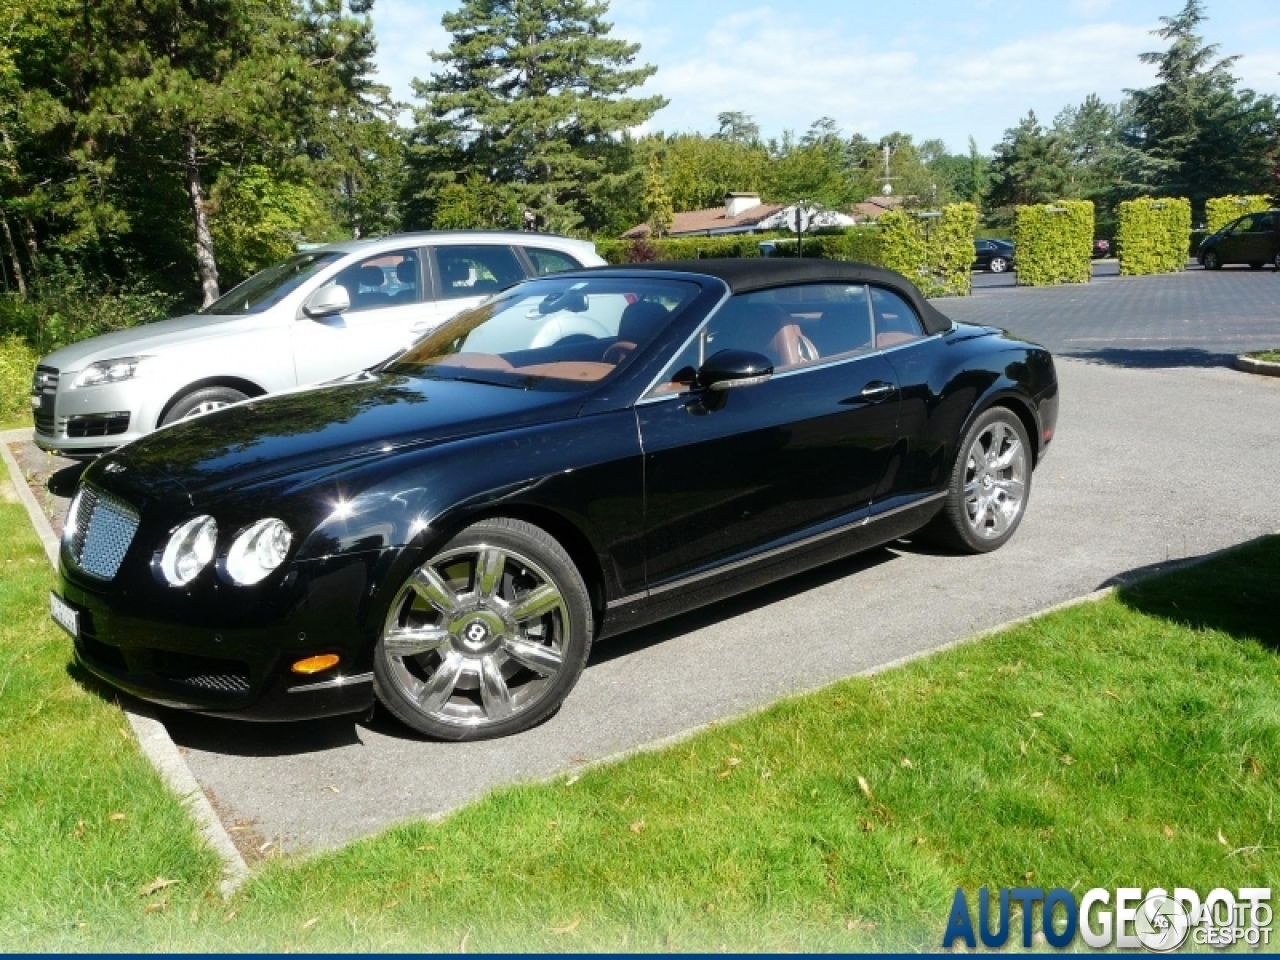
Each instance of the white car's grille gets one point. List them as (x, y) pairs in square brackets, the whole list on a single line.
[(99, 529)]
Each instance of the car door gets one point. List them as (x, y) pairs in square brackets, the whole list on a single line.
[(982, 254), (466, 275), (1234, 247), (387, 303), (731, 473)]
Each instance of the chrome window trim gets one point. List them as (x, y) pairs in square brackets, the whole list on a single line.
[(646, 398), (728, 295), (775, 551)]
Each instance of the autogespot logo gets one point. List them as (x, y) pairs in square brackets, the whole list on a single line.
[(1128, 917)]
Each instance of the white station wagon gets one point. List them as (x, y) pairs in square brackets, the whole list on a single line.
[(322, 314)]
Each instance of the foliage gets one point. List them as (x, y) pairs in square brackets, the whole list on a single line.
[(1194, 133), (476, 204), (1152, 235), (657, 201), (936, 254), (862, 244), (260, 219), (1030, 166), (66, 305), (679, 248), (532, 95), (17, 363), (1053, 243), (1219, 211)]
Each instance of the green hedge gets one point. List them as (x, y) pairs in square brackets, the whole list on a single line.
[(679, 248), (1053, 243), (17, 362), (935, 253), (864, 244), (1219, 211), (1152, 235)]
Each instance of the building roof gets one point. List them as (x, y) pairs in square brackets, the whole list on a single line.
[(710, 220), (873, 208)]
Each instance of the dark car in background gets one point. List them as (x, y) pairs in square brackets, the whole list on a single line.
[(993, 255), (580, 455), (1253, 239)]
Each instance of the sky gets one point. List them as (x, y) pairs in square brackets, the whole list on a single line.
[(925, 67)]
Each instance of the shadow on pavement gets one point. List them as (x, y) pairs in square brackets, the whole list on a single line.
[(1152, 359)]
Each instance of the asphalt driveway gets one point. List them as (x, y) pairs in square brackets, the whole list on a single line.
[(1149, 466)]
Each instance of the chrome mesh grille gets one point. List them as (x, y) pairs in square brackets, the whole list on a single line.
[(99, 529)]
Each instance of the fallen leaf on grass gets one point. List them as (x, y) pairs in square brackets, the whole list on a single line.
[(920, 841), (1168, 832), (637, 827), (724, 773), (1221, 839), (572, 780), (78, 833), (310, 923), (116, 817), (1067, 759), (908, 764), (865, 788), (159, 883), (1036, 714), (733, 761), (466, 938), (1254, 766), (156, 907), (424, 848), (1028, 875), (230, 916), (568, 927), (867, 826), (1113, 696)]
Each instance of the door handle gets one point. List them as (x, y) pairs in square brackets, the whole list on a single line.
[(876, 391)]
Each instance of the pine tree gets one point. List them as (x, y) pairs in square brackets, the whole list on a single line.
[(1193, 133), (531, 95), (1031, 165)]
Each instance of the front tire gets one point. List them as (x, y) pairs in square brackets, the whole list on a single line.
[(999, 265), (487, 637), (1210, 261), (199, 402), (990, 485)]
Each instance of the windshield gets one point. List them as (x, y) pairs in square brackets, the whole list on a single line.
[(266, 289), (550, 334)]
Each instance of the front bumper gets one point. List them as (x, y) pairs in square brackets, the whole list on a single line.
[(87, 421), (231, 657)]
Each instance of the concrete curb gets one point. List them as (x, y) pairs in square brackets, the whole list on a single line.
[(1263, 368), (153, 738)]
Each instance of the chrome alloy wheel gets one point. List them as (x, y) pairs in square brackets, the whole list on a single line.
[(476, 636), (200, 409), (995, 480)]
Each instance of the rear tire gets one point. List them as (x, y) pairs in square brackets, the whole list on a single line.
[(989, 488), (1210, 261), (199, 402), (999, 265), (487, 637)]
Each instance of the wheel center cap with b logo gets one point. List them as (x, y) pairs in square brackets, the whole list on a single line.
[(475, 635)]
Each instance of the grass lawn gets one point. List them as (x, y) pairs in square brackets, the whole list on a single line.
[(1270, 356), (1135, 741), (16, 422)]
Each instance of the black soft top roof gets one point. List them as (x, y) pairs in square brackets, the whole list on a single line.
[(760, 273)]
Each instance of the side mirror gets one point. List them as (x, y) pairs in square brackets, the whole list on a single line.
[(327, 301), (728, 369)]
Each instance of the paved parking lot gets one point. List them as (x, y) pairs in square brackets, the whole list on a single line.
[(1150, 465)]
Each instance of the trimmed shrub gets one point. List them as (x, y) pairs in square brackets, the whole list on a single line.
[(679, 248), (17, 363), (1053, 243), (1152, 235), (936, 254), (1219, 211), (863, 244)]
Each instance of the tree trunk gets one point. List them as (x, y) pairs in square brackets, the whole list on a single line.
[(206, 263), (13, 256)]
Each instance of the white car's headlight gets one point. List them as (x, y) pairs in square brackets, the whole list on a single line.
[(189, 550), (258, 550), (108, 371)]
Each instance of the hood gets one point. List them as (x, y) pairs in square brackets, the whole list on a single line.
[(140, 340), (368, 415)]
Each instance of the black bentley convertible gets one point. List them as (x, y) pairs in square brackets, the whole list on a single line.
[(451, 531)]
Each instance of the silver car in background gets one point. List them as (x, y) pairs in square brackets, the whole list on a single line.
[(322, 314)]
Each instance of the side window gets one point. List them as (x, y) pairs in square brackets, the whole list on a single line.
[(386, 280), (1265, 222), (550, 261), (1245, 225), (793, 327), (476, 271), (896, 321)]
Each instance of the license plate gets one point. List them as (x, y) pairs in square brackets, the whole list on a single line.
[(64, 615)]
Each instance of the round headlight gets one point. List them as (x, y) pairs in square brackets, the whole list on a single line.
[(258, 550), (189, 550)]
